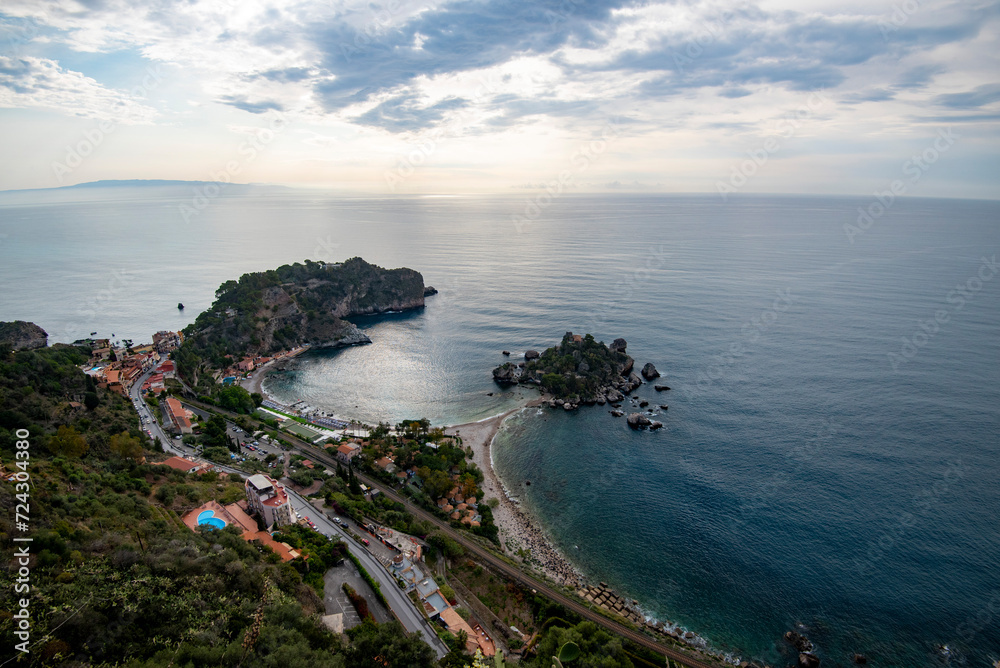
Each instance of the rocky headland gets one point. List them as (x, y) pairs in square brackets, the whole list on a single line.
[(23, 335), (266, 312)]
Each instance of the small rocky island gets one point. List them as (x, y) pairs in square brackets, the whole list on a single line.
[(581, 370)]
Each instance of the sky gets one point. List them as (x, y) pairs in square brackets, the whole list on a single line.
[(403, 96)]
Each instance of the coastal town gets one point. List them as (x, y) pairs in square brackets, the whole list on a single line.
[(146, 373)]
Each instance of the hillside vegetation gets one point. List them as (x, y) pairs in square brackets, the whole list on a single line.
[(266, 312)]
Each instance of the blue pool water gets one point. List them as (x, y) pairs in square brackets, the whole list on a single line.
[(208, 517), (829, 458)]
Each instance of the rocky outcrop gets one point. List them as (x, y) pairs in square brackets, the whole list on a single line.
[(614, 396), (22, 335), (649, 371), (507, 374), (531, 355), (618, 345), (798, 641), (351, 336), (638, 420), (429, 290), (654, 425), (807, 660)]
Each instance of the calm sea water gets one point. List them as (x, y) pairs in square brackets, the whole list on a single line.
[(804, 476)]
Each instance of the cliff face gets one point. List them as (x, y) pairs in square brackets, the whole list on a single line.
[(301, 303), (22, 335)]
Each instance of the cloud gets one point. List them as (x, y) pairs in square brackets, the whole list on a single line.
[(404, 113), (252, 107), (973, 99), (460, 36), (32, 82)]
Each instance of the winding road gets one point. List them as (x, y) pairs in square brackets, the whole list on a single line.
[(514, 573)]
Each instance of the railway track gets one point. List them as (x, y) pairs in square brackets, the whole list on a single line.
[(514, 573)]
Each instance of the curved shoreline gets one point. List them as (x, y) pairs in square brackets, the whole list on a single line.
[(518, 530)]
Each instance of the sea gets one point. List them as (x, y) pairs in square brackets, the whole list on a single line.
[(831, 443)]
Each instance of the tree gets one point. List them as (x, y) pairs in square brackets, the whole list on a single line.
[(91, 400), (234, 398), (126, 446), (380, 645), (68, 442)]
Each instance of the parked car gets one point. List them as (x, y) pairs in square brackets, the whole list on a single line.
[(365, 541)]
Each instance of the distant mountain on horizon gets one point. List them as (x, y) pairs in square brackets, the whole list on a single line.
[(132, 183)]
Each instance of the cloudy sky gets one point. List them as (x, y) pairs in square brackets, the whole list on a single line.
[(841, 96)]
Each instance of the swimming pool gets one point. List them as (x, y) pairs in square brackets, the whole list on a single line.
[(208, 517)]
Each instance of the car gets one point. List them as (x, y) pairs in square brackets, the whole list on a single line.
[(365, 541), (336, 520)]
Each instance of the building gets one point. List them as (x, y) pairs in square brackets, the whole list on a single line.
[(178, 417), (217, 516), (348, 451), (268, 499), (164, 342), (386, 464), (186, 465)]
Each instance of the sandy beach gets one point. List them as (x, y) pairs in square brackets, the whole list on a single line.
[(517, 530)]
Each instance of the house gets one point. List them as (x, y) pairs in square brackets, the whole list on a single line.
[(217, 516), (114, 380), (178, 417), (454, 623), (348, 451), (268, 499), (386, 464), (164, 342), (186, 465)]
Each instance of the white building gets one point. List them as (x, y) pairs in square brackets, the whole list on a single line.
[(268, 499)]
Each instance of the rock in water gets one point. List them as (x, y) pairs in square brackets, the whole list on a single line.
[(807, 660), (180, 307), (660, 388), (649, 371), (618, 345), (654, 425), (862, 660), (429, 290), (638, 420), (798, 641), (617, 413), (506, 353), (506, 374), (531, 355)]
